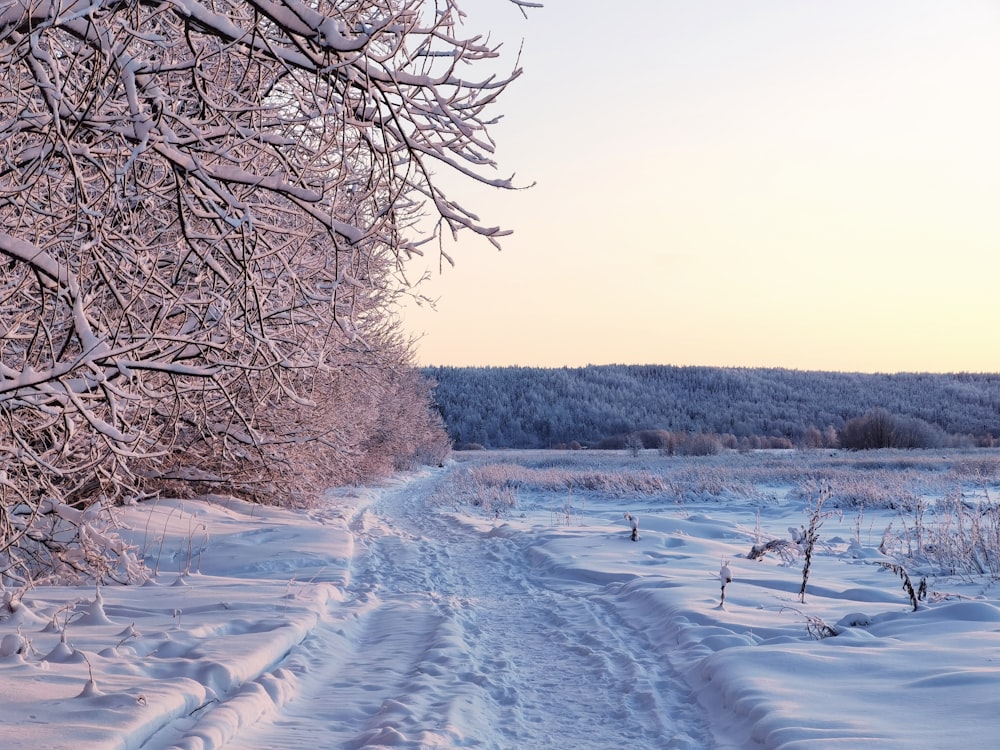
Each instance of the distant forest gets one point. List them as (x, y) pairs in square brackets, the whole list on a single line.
[(666, 406)]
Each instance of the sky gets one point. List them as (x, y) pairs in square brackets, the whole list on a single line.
[(752, 183)]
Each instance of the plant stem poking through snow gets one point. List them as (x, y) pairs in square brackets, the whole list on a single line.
[(90, 689), (810, 535), (634, 523), (815, 627), (916, 595), (725, 578)]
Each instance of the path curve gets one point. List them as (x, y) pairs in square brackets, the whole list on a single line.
[(448, 638)]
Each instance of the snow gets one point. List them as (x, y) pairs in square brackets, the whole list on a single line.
[(397, 616)]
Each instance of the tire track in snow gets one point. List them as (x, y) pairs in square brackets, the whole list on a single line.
[(447, 639)]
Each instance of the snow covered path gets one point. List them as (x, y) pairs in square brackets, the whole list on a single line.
[(448, 638)]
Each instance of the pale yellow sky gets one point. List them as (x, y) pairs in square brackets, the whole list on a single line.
[(737, 183)]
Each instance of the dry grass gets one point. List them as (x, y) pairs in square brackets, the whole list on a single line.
[(945, 519), (892, 479)]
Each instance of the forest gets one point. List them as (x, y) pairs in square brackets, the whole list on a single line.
[(602, 405)]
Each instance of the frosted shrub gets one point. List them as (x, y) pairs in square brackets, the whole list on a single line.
[(965, 538), (699, 444), (880, 429), (803, 540)]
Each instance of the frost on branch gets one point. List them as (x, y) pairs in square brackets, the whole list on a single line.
[(205, 214), (66, 544)]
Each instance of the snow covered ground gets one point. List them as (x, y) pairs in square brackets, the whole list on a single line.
[(441, 611)]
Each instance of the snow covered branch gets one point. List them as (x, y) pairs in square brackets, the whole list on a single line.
[(205, 213)]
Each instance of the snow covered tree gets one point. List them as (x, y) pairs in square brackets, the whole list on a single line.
[(206, 207)]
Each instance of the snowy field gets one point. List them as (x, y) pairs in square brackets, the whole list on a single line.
[(500, 603)]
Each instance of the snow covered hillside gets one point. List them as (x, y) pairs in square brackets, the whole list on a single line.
[(500, 603)]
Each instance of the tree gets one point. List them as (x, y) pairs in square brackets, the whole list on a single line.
[(880, 429), (206, 209)]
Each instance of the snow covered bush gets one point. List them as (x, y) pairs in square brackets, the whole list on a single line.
[(880, 429), (699, 444), (206, 210), (964, 538)]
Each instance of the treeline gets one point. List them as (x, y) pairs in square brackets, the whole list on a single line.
[(610, 405)]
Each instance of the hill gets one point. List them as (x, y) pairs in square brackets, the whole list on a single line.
[(529, 407)]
